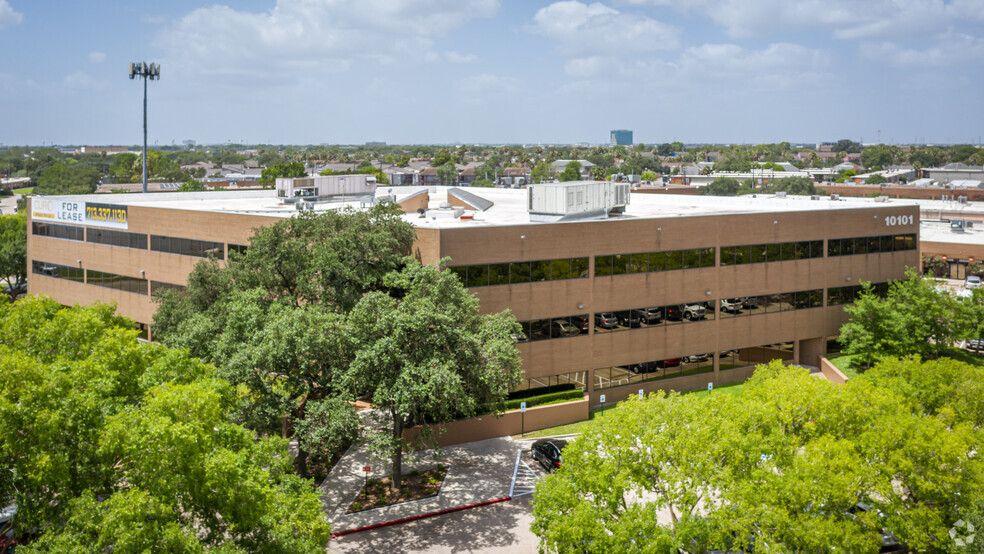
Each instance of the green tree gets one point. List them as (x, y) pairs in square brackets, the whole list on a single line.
[(268, 177), (71, 179), (876, 179), (442, 157), (782, 465), (13, 249), (847, 146), (800, 186), (722, 186), (572, 172), (447, 174), (148, 432), (425, 354), (192, 186), (541, 173)]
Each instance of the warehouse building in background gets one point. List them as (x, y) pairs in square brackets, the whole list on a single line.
[(615, 293)]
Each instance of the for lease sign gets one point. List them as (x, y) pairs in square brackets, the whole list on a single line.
[(46, 208)]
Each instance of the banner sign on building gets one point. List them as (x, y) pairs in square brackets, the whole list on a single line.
[(46, 208)]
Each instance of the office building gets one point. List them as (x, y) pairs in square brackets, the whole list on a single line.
[(616, 292)]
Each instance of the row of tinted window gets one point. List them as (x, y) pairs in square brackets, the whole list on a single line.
[(754, 355), (554, 328), (652, 316), (158, 286), (119, 282), (837, 296), (58, 271), (645, 262), (870, 245), (774, 252), (771, 303), (666, 368), (117, 238), (187, 247), (521, 272), (56, 231)]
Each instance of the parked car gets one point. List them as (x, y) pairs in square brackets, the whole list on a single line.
[(606, 320), (630, 318), (693, 311), (652, 315), (673, 313), (645, 367), (693, 358), (669, 362), (560, 328), (733, 305), (972, 282), (975, 344), (548, 453), (15, 290), (581, 322)]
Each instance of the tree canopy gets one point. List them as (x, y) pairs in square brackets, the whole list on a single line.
[(787, 465), (13, 249), (268, 177), (109, 444)]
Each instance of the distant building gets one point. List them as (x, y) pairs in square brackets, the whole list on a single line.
[(621, 137)]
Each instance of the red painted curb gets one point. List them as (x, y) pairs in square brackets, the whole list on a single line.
[(420, 516)]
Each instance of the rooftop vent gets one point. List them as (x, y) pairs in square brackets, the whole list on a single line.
[(781, 194), (957, 225), (835, 197), (881, 199), (962, 199), (815, 197)]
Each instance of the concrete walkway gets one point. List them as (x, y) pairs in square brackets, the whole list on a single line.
[(477, 472)]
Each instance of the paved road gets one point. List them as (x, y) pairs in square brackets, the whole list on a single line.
[(8, 204)]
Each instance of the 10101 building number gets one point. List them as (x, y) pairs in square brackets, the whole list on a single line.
[(894, 220)]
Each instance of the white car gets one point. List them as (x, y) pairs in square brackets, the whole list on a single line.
[(972, 282)]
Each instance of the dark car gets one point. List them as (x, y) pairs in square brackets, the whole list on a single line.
[(606, 320), (669, 362), (15, 290), (646, 367), (547, 452), (630, 318), (674, 313)]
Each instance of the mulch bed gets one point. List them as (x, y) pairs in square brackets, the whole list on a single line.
[(416, 485)]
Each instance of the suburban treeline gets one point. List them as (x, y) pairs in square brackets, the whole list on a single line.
[(57, 172)]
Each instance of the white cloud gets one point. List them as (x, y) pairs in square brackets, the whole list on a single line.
[(486, 85), (97, 57), (947, 50), (596, 29), (458, 57), (301, 37), (83, 81), (8, 16)]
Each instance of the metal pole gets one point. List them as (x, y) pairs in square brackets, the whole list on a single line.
[(145, 135)]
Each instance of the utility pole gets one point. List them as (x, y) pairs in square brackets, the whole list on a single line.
[(152, 72)]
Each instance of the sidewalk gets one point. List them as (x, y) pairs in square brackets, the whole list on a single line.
[(477, 472)]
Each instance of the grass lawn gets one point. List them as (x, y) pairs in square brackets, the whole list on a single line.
[(733, 388), (27, 190), (843, 363)]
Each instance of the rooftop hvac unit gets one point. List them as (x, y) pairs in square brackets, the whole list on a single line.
[(957, 225), (835, 197), (576, 200), (962, 199), (815, 197), (781, 194), (881, 199)]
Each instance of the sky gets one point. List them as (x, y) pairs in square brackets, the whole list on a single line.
[(493, 71)]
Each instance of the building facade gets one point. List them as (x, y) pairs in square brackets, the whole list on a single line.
[(676, 292), (620, 137)]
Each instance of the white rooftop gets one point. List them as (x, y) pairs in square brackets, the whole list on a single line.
[(510, 205), (939, 231)]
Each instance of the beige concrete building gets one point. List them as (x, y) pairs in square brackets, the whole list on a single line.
[(665, 291)]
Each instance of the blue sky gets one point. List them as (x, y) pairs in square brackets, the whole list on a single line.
[(491, 71)]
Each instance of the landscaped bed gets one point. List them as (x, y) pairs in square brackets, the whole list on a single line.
[(416, 486)]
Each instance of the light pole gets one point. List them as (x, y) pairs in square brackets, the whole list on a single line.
[(152, 71)]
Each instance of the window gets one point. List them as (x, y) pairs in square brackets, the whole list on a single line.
[(652, 316), (57, 271), (554, 328), (118, 282), (116, 238), (521, 272), (158, 286), (187, 247), (239, 249), (870, 245), (55, 231)]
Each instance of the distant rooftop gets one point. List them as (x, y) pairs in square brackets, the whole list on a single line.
[(509, 206)]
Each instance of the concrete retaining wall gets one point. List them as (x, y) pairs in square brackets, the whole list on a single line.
[(831, 373), (512, 422)]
